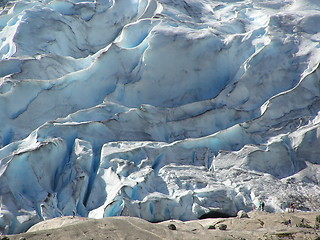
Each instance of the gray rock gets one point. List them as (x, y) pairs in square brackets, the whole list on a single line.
[(242, 214), (172, 227), (223, 227)]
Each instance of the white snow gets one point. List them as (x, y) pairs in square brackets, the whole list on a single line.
[(158, 109)]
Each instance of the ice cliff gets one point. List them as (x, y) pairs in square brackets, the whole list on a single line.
[(157, 109)]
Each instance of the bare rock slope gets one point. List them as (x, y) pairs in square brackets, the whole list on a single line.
[(259, 225)]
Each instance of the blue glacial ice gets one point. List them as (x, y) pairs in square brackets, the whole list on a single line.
[(158, 109)]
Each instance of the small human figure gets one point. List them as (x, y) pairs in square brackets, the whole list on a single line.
[(302, 220), (289, 222), (73, 213), (292, 207), (261, 206), (253, 207)]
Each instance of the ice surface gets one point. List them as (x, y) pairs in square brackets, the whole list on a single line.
[(158, 109)]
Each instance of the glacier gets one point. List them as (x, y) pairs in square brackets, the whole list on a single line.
[(158, 109)]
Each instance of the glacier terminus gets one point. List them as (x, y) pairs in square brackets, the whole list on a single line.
[(157, 109)]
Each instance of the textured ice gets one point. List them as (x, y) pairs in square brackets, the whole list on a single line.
[(157, 109)]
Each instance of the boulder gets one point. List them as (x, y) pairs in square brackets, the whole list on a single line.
[(223, 227), (242, 214), (172, 227)]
